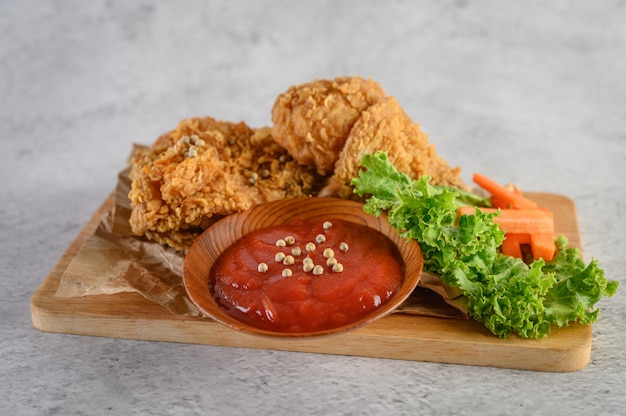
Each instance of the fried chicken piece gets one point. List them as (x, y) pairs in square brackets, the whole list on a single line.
[(206, 169), (386, 127), (312, 120)]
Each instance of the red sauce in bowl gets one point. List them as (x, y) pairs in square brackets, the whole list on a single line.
[(265, 280)]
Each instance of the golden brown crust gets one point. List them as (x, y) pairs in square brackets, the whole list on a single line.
[(386, 127), (206, 169), (312, 120)]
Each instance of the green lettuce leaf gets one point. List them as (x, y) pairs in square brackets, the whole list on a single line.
[(578, 287), (506, 294)]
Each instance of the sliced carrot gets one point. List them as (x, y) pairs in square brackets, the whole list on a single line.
[(542, 246), (534, 227), (468, 210), (503, 195), (499, 203), (523, 222), (518, 221), (526, 221), (511, 246)]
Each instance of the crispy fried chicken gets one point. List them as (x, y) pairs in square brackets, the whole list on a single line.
[(206, 169), (313, 120), (385, 126)]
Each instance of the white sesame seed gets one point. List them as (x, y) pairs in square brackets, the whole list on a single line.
[(320, 238), (329, 252), (317, 270), (287, 272), (254, 177), (262, 268), (338, 268), (327, 225), (280, 243), (331, 261), (343, 246), (280, 256), (296, 251), (192, 151), (310, 247), (290, 240), (288, 260), (307, 267)]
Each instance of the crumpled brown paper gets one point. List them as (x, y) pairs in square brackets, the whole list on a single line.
[(114, 260)]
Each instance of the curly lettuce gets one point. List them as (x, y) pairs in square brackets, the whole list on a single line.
[(503, 292)]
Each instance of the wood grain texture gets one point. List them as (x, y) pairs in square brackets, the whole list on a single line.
[(398, 336)]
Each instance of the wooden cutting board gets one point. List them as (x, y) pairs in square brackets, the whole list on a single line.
[(398, 336)]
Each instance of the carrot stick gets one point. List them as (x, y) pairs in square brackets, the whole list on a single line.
[(523, 226), (542, 246), (518, 221), (525, 221), (520, 218), (503, 195), (498, 203), (511, 246), (469, 210)]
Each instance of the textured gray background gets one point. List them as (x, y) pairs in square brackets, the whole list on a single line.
[(531, 92)]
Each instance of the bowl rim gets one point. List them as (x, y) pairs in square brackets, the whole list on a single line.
[(204, 251)]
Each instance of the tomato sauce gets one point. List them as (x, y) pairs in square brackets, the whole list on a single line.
[(307, 276)]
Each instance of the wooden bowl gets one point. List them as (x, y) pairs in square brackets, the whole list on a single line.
[(212, 242)]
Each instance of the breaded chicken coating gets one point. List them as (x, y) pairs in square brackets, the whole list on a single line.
[(312, 120), (206, 169), (386, 127)]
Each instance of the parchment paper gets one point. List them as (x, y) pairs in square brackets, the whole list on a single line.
[(114, 260)]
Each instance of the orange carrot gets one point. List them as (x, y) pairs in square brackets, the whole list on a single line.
[(511, 246), (502, 195), (518, 221), (523, 222), (468, 210), (498, 203), (523, 226), (542, 246)]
